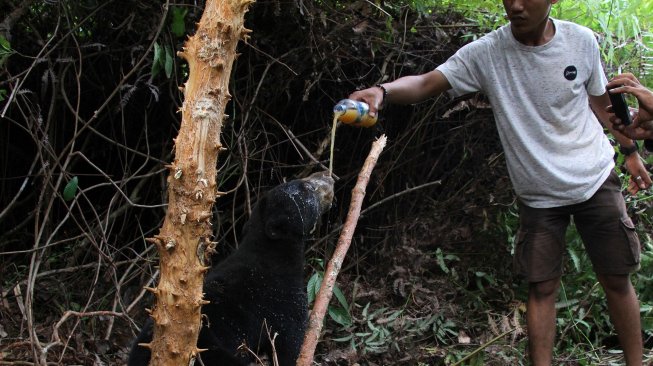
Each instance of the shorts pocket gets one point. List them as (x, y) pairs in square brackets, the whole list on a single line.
[(633, 239), (519, 260)]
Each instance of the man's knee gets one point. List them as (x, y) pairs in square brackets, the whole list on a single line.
[(544, 289), (616, 284)]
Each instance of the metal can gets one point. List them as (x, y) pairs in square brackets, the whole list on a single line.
[(355, 113)]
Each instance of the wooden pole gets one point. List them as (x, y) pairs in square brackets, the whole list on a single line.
[(333, 267)]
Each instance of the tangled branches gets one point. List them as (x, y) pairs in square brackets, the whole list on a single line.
[(79, 98)]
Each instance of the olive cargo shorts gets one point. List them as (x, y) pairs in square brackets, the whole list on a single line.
[(608, 235)]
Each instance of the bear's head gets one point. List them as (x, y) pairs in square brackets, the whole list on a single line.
[(290, 211)]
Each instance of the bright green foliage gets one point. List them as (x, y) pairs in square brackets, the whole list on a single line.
[(70, 189), (624, 27)]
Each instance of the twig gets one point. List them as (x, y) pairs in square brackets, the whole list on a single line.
[(333, 267), (20, 190), (69, 313), (377, 204), (314, 157), (408, 190), (484, 346)]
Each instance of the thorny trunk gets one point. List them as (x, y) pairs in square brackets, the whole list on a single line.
[(184, 241)]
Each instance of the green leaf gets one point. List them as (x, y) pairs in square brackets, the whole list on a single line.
[(70, 190), (313, 286), (340, 316), (575, 259), (5, 46), (365, 310), (157, 61), (169, 62), (341, 297), (178, 26), (5, 51), (343, 339)]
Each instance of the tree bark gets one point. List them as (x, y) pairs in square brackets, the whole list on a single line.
[(184, 241)]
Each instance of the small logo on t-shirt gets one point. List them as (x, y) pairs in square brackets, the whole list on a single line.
[(571, 72)]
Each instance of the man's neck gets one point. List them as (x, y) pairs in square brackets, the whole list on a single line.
[(540, 36)]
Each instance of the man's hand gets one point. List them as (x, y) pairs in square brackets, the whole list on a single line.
[(638, 130), (642, 126), (640, 179), (372, 96)]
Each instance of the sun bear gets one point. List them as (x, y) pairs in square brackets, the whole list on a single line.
[(259, 289)]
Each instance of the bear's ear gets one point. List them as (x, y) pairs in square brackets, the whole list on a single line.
[(257, 212), (276, 227)]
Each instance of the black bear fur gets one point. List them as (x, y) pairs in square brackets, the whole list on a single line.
[(260, 286)]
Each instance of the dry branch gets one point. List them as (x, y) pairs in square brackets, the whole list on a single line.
[(184, 242), (333, 267), (55, 333)]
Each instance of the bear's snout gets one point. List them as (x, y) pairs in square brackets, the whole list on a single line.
[(322, 182)]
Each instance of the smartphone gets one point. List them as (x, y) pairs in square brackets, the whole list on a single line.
[(620, 108)]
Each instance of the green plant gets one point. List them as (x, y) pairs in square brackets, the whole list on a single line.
[(376, 337), (338, 313), (70, 190), (385, 329), (163, 60), (445, 261), (5, 51), (178, 21), (624, 26)]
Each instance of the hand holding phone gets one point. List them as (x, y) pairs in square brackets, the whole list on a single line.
[(620, 108)]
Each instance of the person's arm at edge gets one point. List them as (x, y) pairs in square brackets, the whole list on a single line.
[(632, 161), (405, 90), (642, 127)]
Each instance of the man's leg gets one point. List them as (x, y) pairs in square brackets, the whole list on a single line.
[(624, 313), (541, 320)]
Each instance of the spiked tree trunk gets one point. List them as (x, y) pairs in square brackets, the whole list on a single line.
[(184, 241)]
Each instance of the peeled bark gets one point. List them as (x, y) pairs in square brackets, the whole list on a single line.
[(184, 242)]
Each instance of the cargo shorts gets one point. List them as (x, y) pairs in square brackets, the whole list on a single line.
[(602, 221)]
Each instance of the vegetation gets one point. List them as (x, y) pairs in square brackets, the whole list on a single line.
[(88, 113)]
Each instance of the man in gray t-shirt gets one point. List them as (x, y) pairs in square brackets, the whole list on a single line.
[(539, 97), (546, 86)]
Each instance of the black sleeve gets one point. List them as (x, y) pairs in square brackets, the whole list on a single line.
[(648, 144)]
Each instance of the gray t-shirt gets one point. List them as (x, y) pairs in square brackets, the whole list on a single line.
[(556, 151)]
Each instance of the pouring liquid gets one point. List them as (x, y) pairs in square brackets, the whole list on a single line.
[(336, 115)]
